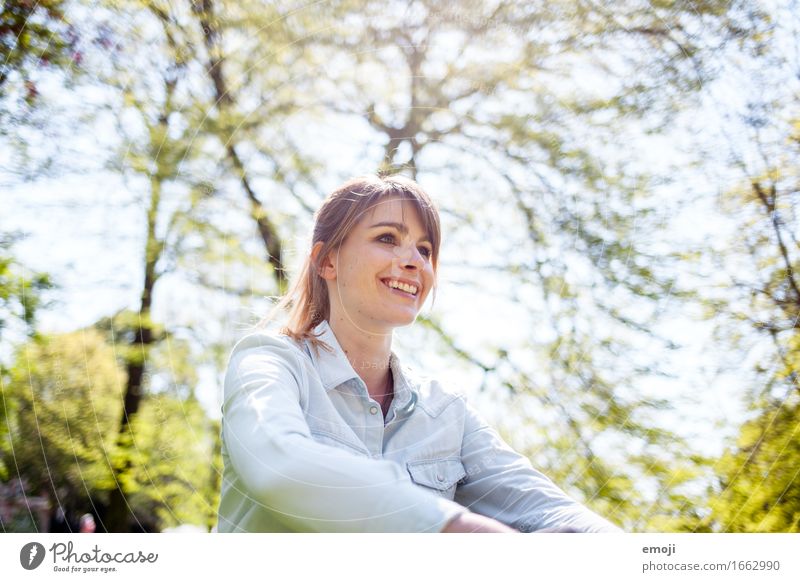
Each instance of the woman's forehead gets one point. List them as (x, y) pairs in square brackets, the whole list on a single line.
[(393, 210)]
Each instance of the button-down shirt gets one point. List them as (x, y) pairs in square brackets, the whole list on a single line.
[(305, 448)]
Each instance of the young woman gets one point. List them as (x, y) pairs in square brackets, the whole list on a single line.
[(325, 430)]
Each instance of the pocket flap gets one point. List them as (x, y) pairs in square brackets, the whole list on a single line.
[(327, 438), (438, 474)]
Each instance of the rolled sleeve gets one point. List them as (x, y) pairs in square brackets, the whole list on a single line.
[(503, 484), (306, 485)]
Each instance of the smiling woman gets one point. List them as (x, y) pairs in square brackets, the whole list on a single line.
[(324, 429), (381, 273)]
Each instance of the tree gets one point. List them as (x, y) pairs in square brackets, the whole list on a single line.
[(759, 486), (526, 112), (160, 113), (155, 155), (21, 291), (21, 296), (167, 459), (176, 464), (65, 391), (477, 97), (60, 397), (760, 478), (756, 301), (33, 34)]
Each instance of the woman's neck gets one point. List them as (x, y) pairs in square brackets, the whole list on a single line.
[(369, 355)]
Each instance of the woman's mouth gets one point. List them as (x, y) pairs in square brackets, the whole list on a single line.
[(401, 289)]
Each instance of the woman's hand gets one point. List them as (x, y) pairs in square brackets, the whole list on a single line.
[(469, 522)]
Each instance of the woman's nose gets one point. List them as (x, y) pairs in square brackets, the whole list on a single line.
[(411, 257)]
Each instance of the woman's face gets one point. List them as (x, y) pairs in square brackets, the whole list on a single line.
[(388, 245)]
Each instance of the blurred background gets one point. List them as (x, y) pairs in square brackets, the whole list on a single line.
[(618, 185)]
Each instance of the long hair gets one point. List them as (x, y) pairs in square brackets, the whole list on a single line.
[(307, 301)]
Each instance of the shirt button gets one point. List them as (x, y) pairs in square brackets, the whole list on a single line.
[(439, 477), (373, 409)]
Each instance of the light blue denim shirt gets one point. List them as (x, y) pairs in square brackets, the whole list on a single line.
[(305, 448)]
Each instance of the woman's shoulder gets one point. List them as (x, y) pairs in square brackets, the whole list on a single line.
[(262, 358), (267, 341), (435, 394)]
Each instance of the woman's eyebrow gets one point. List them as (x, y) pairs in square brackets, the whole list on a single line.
[(401, 227)]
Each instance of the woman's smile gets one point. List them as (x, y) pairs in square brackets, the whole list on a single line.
[(403, 289)]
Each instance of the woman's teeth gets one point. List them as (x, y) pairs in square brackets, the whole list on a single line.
[(402, 286)]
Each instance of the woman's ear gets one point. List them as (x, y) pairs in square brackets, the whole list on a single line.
[(324, 267)]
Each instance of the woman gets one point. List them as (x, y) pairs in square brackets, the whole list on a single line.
[(325, 430)]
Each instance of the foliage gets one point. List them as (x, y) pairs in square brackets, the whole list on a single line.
[(21, 297), (760, 479), (529, 115), (21, 291), (759, 484), (755, 300), (61, 395), (173, 448), (33, 33)]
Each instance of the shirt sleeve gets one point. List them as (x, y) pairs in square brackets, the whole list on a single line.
[(310, 486), (502, 484)]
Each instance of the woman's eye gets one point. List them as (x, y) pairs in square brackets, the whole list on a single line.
[(390, 239)]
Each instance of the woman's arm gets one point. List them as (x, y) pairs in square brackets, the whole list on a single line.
[(469, 522), (307, 485), (503, 484)]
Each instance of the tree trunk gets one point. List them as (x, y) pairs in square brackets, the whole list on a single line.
[(204, 9), (119, 514)]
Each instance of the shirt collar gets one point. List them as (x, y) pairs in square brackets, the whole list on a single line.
[(335, 369)]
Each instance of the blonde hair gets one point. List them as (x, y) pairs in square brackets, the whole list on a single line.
[(307, 301)]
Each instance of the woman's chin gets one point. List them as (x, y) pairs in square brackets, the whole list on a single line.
[(407, 318), (400, 317)]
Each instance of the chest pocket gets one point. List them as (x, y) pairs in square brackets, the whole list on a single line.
[(327, 438), (440, 475)]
